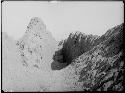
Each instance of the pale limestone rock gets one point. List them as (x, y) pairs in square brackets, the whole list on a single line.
[(38, 43)]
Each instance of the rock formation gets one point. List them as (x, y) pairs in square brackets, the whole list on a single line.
[(100, 68), (27, 62), (75, 45), (37, 45), (89, 62)]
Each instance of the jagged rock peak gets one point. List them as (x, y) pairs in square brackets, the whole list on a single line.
[(36, 23)]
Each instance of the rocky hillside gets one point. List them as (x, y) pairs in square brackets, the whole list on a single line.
[(72, 47), (100, 68), (82, 62)]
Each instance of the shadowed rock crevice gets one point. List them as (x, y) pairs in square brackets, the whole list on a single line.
[(72, 47)]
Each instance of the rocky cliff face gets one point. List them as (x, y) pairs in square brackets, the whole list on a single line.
[(72, 47), (75, 45), (37, 45), (100, 68)]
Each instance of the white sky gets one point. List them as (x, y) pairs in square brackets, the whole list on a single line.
[(63, 17)]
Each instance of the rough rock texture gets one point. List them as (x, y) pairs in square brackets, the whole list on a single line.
[(37, 45), (26, 62), (95, 62), (100, 68), (75, 45)]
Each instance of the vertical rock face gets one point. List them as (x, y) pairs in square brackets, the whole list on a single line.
[(37, 45)]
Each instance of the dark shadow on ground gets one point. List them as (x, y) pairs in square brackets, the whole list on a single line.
[(55, 65)]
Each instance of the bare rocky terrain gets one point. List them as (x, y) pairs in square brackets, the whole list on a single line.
[(36, 62)]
